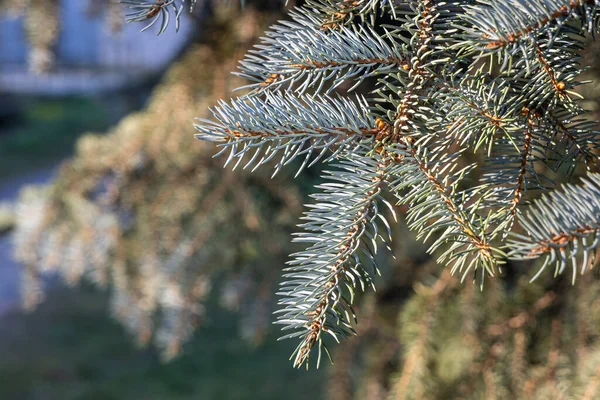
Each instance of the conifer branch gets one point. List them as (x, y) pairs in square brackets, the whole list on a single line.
[(416, 69), (552, 70), (558, 86), (431, 196), (478, 109), (154, 10), (562, 227), (251, 124), (525, 154), (334, 14), (502, 23), (510, 171), (300, 54), (341, 13), (581, 136), (318, 291)]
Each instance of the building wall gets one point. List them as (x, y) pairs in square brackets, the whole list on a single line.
[(88, 42), (12, 41)]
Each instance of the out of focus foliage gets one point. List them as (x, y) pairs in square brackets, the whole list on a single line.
[(146, 210), (42, 25), (451, 341)]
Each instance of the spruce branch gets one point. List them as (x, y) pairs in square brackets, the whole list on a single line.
[(523, 167), (154, 10), (580, 136), (289, 126), (436, 205), (479, 109), (562, 228), (418, 72), (507, 26), (319, 284), (299, 54), (335, 14), (510, 170), (551, 69)]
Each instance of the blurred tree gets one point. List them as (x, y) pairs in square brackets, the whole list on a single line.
[(146, 209)]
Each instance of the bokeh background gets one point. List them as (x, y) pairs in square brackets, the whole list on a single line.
[(91, 104)]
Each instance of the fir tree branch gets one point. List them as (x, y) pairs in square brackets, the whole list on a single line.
[(144, 10), (476, 108), (341, 13), (320, 279), (558, 86), (551, 68), (431, 197), (526, 153), (560, 227), (299, 54), (293, 126), (434, 105), (336, 13), (509, 173), (501, 23), (581, 136)]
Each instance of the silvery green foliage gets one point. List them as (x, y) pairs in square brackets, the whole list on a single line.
[(335, 56), (341, 233), (257, 129), (469, 100), (428, 184), (562, 227), (508, 27)]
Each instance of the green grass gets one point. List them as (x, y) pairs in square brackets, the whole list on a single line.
[(69, 349)]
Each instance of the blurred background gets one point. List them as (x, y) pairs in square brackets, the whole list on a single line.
[(90, 106), (132, 265)]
